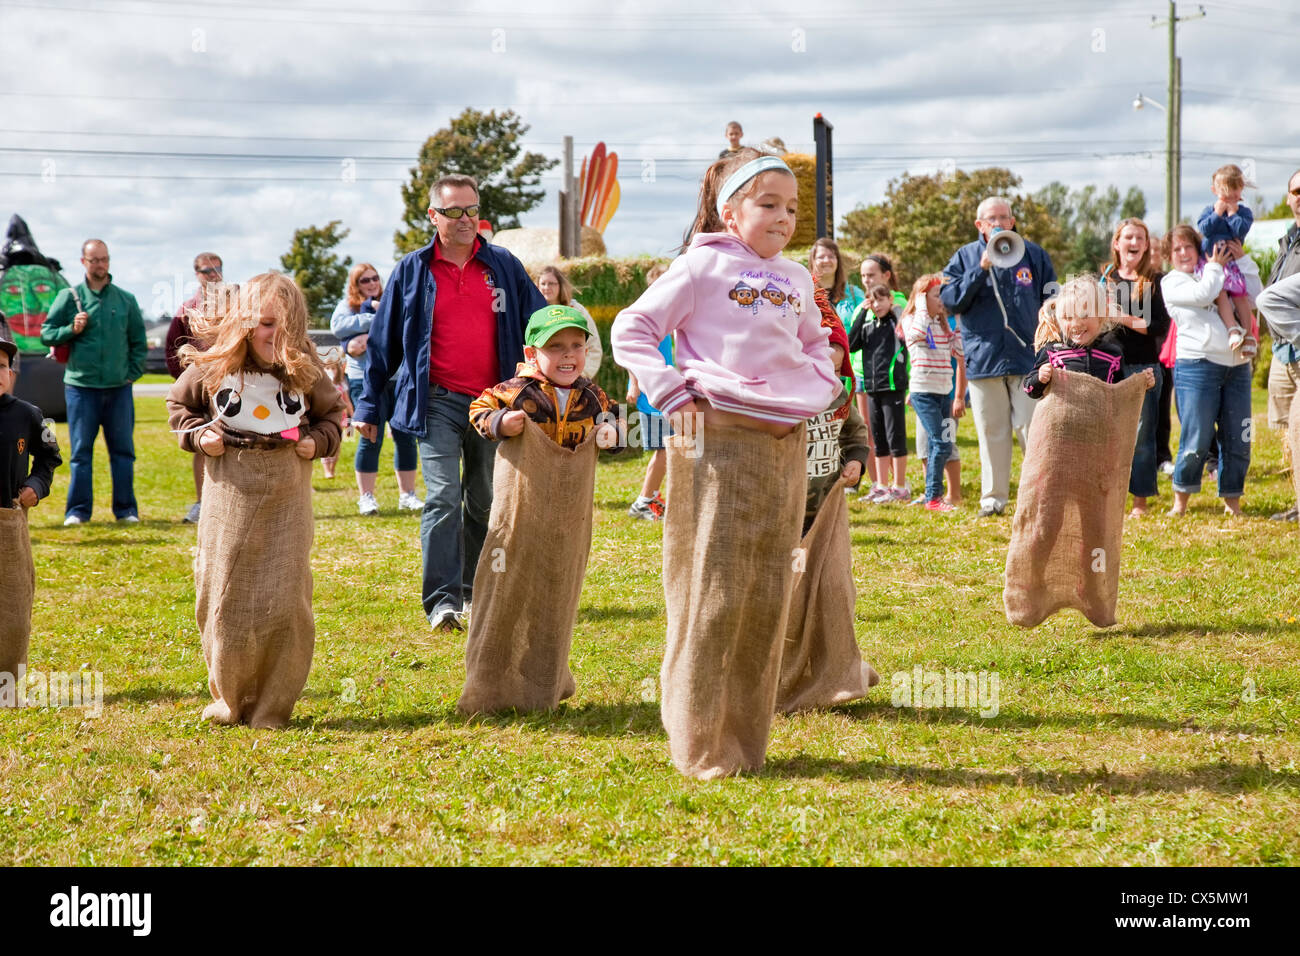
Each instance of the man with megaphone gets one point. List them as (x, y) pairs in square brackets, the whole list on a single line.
[(997, 284)]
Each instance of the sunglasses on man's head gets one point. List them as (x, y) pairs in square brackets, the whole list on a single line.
[(208, 271), (455, 212)]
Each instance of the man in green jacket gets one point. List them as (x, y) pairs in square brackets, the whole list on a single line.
[(103, 329)]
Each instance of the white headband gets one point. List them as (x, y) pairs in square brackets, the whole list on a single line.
[(747, 172)]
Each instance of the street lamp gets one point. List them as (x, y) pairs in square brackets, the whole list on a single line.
[(1173, 144)]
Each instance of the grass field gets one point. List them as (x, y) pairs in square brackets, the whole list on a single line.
[(1171, 738)]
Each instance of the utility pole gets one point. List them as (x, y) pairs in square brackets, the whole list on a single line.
[(1174, 119), (570, 230)]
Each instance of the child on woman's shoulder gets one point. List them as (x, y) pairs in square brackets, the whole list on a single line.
[(29, 453), (1228, 219)]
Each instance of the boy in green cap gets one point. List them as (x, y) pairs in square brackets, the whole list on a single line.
[(549, 387), (529, 579)]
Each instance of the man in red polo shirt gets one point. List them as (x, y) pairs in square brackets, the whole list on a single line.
[(450, 324)]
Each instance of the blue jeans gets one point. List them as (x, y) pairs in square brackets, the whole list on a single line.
[(935, 413), (1142, 477), (367, 458), (457, 502), (89, 409), (1211, 395)]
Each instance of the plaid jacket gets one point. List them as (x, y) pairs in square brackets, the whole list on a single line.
[(533, 394)]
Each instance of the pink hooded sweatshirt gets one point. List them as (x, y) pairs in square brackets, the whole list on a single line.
[(748, 336)]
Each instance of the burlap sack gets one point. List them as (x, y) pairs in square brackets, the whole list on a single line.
[(1293, 441), (730, 534), (1065, 537), (17, 590), (821, 664), (529, 577), (253, 581)]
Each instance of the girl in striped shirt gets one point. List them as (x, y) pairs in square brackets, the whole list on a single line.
[(932, 346)]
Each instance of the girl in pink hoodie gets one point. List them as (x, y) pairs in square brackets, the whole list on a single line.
[(752, 364)]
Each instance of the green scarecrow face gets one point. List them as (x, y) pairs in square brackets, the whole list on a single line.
[(25, 295)]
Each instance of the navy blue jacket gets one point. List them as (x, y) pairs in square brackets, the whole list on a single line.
[(991, 349), (399, 334)]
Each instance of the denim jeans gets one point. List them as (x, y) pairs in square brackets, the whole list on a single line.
[(89, 409), (457, 502), (1142, 477), (1211, 395), (935, 413), (405, 456)]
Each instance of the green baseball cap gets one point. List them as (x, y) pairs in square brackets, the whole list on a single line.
[(547, 321)]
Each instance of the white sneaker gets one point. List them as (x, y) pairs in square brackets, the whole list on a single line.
[(128, 519), (464, 614), (409, 501), (447, 620), (367, 504), (192, 516), (70, 520)]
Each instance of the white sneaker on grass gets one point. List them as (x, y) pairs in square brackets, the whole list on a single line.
[(71, 520), (367, 504), (447, 620), (409, 501)]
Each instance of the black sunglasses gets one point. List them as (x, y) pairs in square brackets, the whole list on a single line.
[(209, 271), (368, 279), (455, 212)]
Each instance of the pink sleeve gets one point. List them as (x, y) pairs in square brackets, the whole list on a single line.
[(637, 331), (816, 341)]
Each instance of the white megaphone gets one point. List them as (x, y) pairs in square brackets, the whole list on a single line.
[(1005, 249)]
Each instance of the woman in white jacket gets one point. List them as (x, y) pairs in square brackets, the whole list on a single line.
[(1211, 379)]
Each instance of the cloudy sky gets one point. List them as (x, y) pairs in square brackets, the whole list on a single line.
[(167, 128)]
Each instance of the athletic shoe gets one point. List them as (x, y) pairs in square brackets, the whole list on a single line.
[(464, 614), (128, 519), (659, 503), (920, 500), (367, 504), (1290, 515), (447, 621), (902, 494), (876, 495), (988, 511), (70, 520), (192, 516), (938, 504), (646, 511), (409, 501)]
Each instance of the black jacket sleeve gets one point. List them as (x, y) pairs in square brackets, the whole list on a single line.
[(1033, 387), (857, 329)]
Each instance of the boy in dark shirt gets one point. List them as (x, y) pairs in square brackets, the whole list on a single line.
[(24, 436)]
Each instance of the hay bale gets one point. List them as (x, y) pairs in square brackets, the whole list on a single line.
[(536, 247)]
